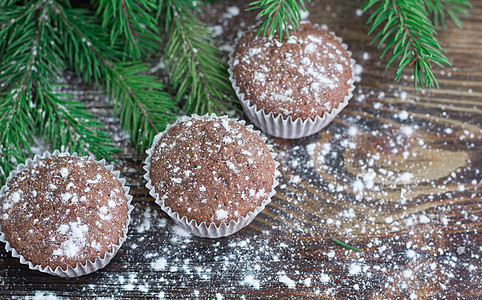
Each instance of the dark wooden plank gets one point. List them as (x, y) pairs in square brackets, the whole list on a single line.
[(397, 174)]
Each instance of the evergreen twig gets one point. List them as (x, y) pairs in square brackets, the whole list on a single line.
[(30, 66), (278, 14), (195, 71), (132, 23), (404, 27), (144, 108)]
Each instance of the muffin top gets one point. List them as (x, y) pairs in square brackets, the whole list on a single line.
[(212, 170), (62, 210), (302, 77)]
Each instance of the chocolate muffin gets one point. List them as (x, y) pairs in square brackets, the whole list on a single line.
[(212, 171), (61, 211), (307, 76)]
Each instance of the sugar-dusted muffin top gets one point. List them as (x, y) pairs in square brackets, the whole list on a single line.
[(212, 170), (302, 77), (62, 210)]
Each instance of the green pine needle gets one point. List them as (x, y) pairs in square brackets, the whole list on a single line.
[(195, 71), (344, 245), (279, 15), (404, 28), (439, 9)]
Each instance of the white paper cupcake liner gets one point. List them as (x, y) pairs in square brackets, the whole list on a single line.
[(81, 268), (287, 128), (203, 229)]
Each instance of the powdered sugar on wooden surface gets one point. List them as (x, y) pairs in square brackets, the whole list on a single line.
[(397, 174)]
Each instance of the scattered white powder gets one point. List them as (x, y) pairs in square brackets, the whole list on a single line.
[(181, 231), (217, 30), (406, 130), (325, 278), (249, 280), (64, 172), (159, 264), (352, 131), (295, 179), (424, 219), (75, 240), (407, 273), (288, 281), (411, 254), (405, 177), (259, 77), (403, 115), (358, 186), (43, 295), (304, 14), (63, 228), (146, 221), (66, 197), (355, 269), (221, 214), (232, 11), (232, 166), (15, 197)]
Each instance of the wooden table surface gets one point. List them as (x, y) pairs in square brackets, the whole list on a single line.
[(397, 174)]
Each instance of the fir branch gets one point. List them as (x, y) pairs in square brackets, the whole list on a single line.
[(145, 108), (195, 69), (30, 65), (16, 85), (15, 136), (410, 34), (69, 126), (132, 24), (437, 9), (278, 14)]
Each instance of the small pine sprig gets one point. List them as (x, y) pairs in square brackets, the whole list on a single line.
[(30, 66), (438, 9), (132, 24), (278, 14), (145, 109), (405, 28), (195, 71)]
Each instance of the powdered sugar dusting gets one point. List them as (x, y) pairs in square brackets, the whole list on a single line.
[(75, 240), (405, 228), (287, 281), (211, 159), (57, 213), (221, 214), (307, 71)]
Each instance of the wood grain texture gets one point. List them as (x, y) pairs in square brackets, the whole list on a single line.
[(397, 174)]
